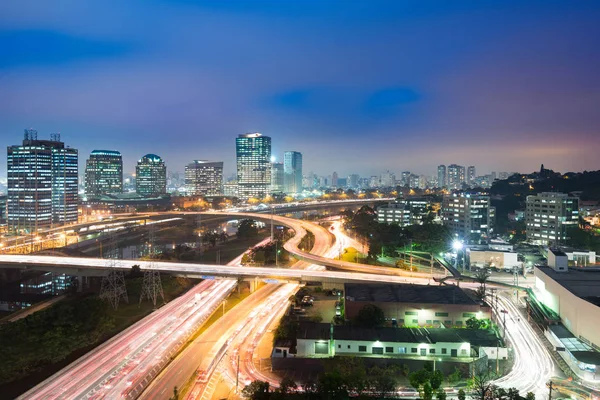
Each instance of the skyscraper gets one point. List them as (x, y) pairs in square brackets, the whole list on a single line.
[(441, 176), (471, 175), (103, 173), (334, 179), (404, 181), (292, 169), (151, 176), (204, 178), (456, 176), (277, 177), (42, 183), (253, 155)]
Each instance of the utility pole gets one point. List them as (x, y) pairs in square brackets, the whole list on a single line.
[(272, 212), (237, 375), (550, 386)]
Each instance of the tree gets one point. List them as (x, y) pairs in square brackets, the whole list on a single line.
[(454, 377), (481, 383), (370, 316), (135, 272), (461, 394), (331, 386), (436, 379), (427, 391), (385, 380), (530, 396), (473, 323), (441, 395), (257, 390), (287, 386), (247, 229), (481, 277)]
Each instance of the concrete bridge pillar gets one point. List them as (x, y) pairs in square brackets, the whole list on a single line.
[(254, 284)]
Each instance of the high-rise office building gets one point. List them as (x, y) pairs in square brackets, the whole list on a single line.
[(292, 169), (42, 183), (471, 175), (353, 181), (334, 179), (405, 178), (387, 179), (103, 173), (456, 176), (253, 155), (441, 172), (151, 176), (548, 216), (277, 178), (204, 178), (467, 215)]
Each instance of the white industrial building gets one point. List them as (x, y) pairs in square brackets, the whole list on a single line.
[(573, 294), (325, 340), (492, 259)]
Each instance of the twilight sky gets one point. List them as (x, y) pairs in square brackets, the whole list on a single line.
[(356, 86)]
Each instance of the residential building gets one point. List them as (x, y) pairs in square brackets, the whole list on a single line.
[(277, 178), (103, 173), (456, 176), (405, 178), (414, 181), (253, 155), (415, 305), (204, 178), (151, 176), (548, 217), (572, 295), (441, 176), (467, 215), (292, 169), (42, 180), (471, 174)]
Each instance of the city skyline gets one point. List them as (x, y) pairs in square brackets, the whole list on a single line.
[(513, 87)]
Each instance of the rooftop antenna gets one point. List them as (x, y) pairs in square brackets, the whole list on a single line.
[(55, 137), (30, 134)]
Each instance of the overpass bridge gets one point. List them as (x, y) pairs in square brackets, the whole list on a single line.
[(84, 266)]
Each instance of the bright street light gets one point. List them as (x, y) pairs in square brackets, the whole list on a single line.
[(457, 245)]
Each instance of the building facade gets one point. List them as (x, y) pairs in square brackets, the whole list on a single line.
[(572, 294), (204, 178), (441, 176), (471, 175), (292, 168), (467, 215), (323, 340), (103, 173), (277, 178), (548, 217), (151, 176), (253, 155), (404, 212), (415, 305), (455, 176), (42, 180)]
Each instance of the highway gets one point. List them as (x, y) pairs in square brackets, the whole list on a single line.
[(82, 266), (123, 365), (533, 364)]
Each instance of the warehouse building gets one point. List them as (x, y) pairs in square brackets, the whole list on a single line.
[(416, 305)]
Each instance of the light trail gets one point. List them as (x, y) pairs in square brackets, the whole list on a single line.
[(121, 365), (533, 365)]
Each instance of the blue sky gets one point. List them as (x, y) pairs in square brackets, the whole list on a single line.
[(356, 86)]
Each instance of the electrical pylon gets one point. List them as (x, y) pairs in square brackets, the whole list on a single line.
[(152, 284), (113, 285)]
